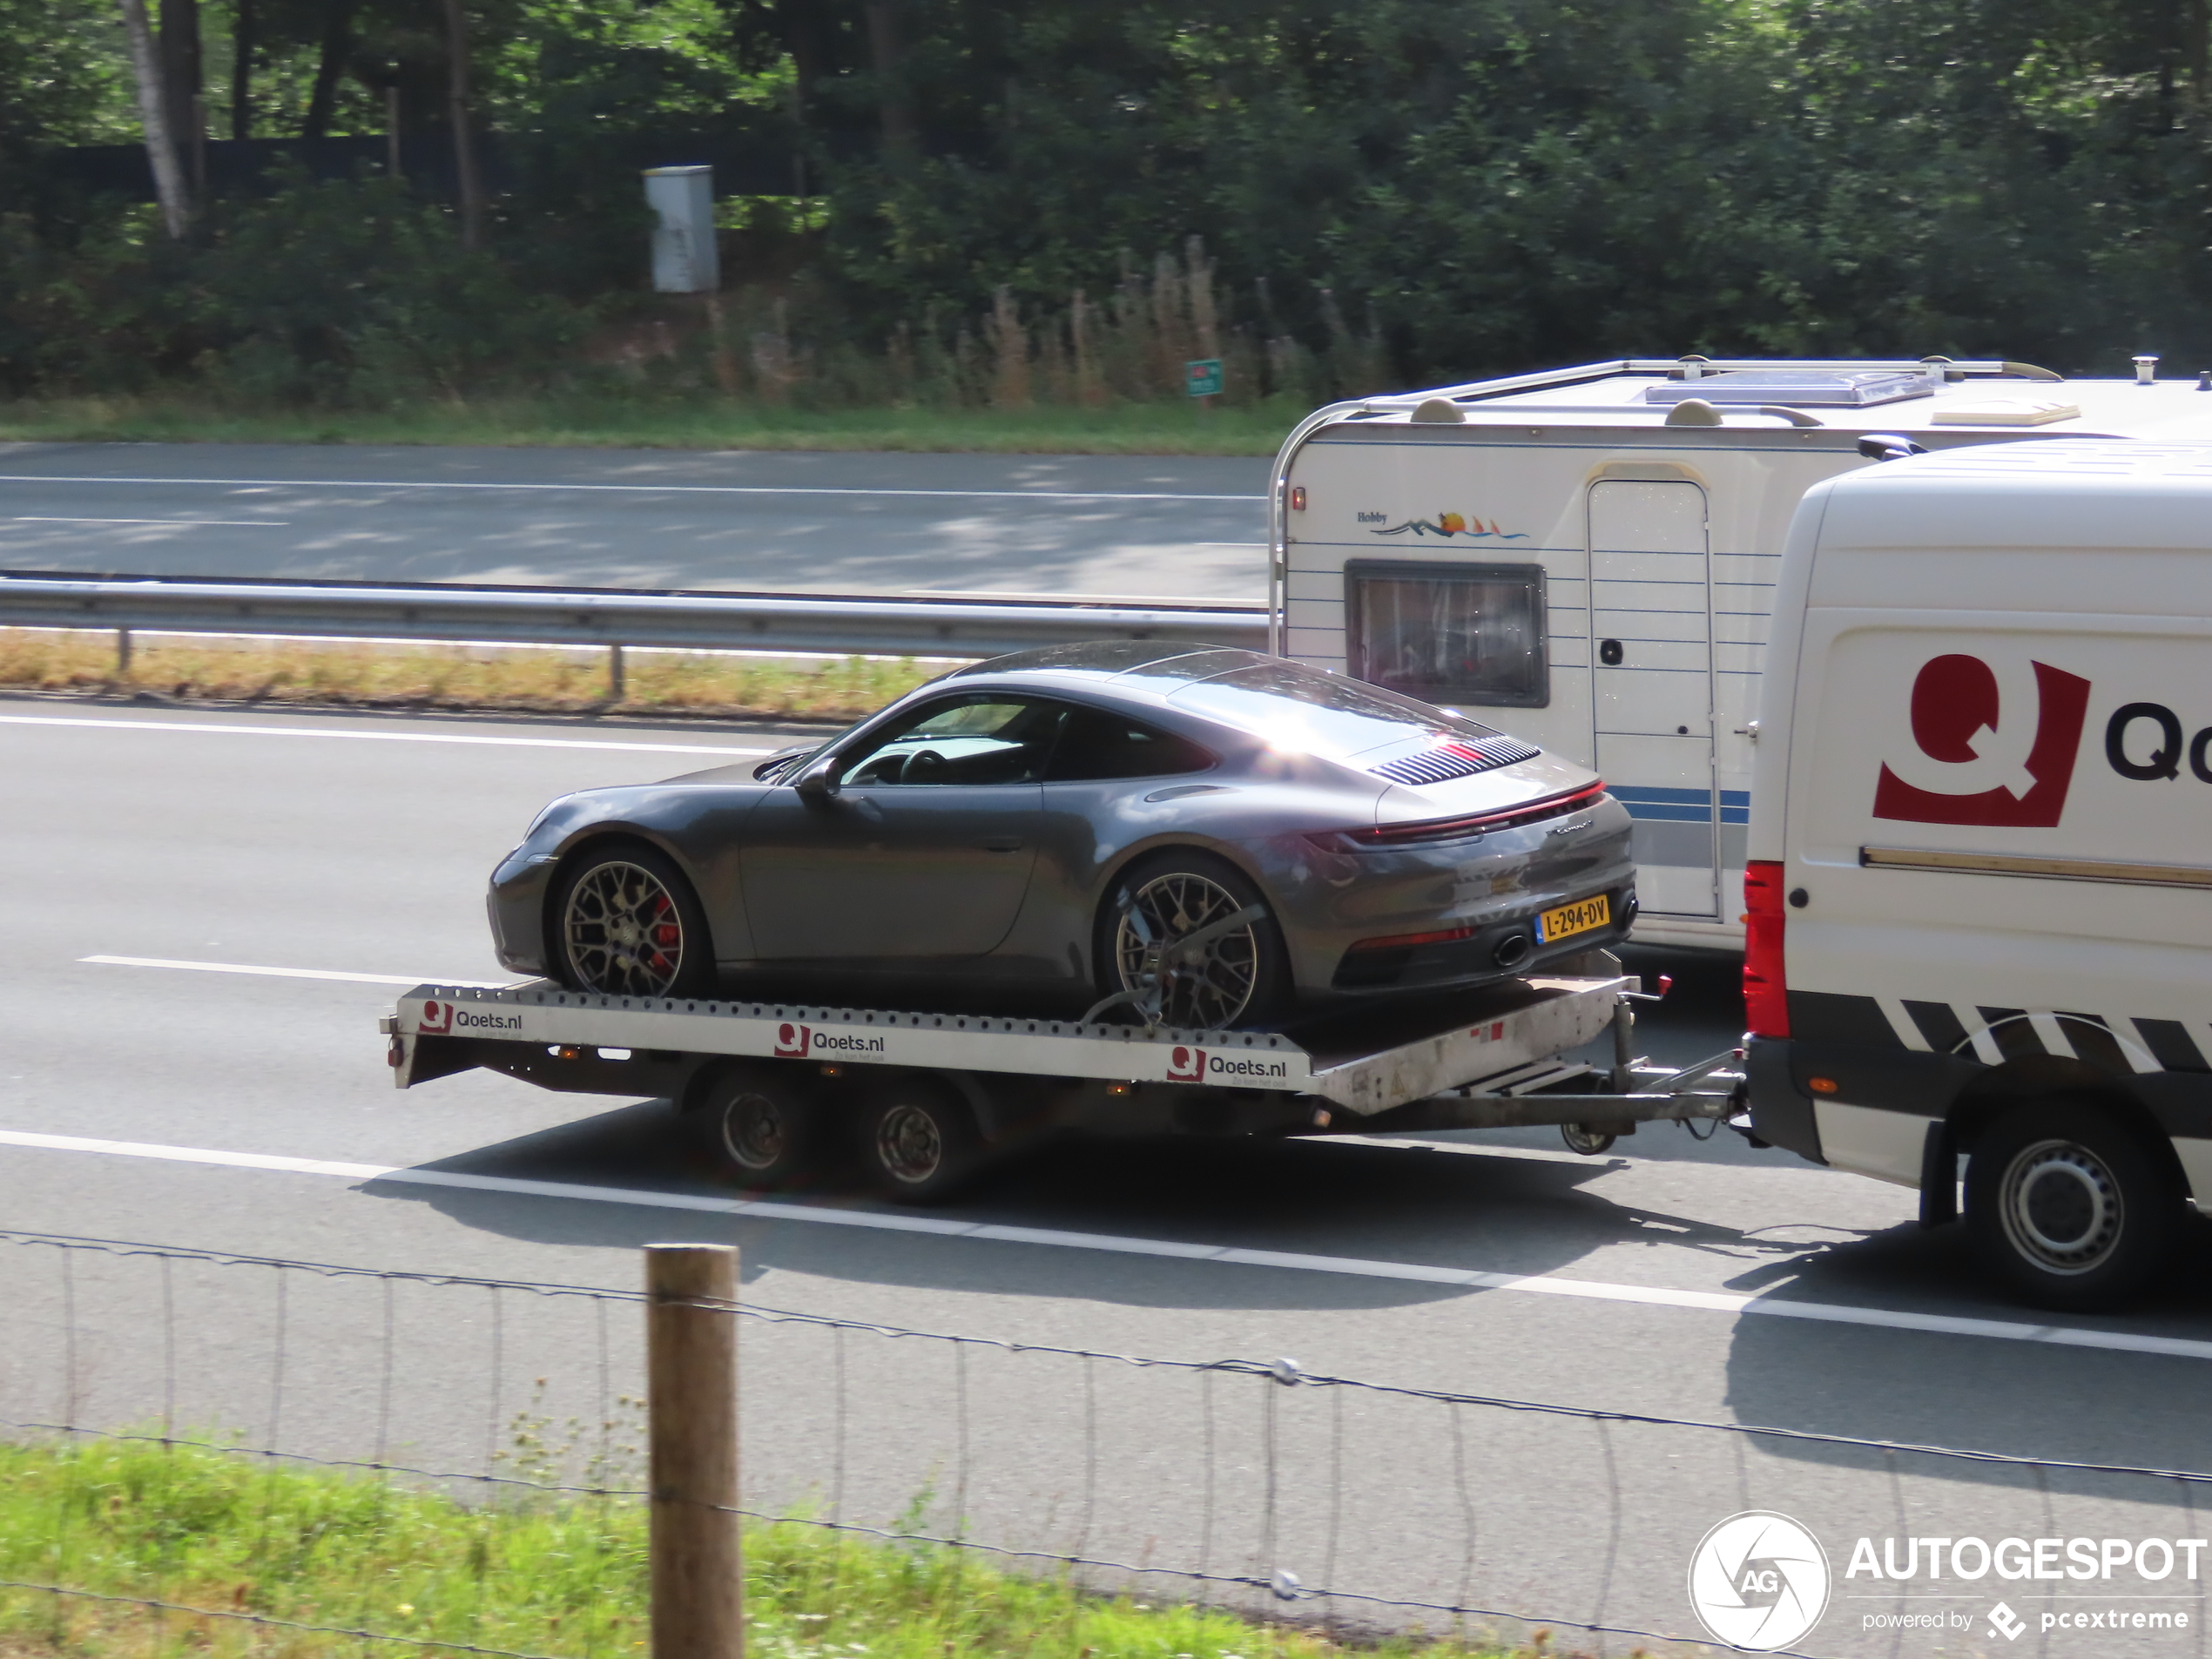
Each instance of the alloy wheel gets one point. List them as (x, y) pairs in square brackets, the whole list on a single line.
[(623, 933), (1206, 989)]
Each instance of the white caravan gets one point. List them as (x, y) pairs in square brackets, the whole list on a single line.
[(1980, 889), (1586, 557)]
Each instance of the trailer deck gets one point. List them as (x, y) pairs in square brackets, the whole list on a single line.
[(1494, 1057)]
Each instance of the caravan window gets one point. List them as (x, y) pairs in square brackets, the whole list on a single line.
[(1449, 633)]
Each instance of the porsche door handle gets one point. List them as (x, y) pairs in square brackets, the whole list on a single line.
[(1004, 844)]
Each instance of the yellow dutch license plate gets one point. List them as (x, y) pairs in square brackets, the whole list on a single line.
[(1570, 919)]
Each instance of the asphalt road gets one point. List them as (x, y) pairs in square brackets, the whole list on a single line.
[(249, 1112), (1128, 527)]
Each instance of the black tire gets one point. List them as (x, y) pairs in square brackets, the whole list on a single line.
[(609, 923), (1243, 979), (919, 1142), (2069, 1206), (766, 1125)]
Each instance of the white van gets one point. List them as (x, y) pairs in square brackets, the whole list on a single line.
[(1980, 880), (1590, 553)]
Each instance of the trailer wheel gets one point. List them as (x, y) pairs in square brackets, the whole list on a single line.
[(1580, 1138), (627, 923), (2070, 1206), (768, 1128), (919, 1142)]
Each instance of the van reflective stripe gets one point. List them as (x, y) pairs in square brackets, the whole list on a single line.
[(2133, 1045), (1939, 1024), (2171, 1040), (1901, 1022), (1993, 1035)]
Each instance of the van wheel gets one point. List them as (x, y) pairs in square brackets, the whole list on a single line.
[(2069, 1207), (766, 1127), (919, 1142)]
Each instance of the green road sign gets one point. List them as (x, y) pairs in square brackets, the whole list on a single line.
[(1202, 377)]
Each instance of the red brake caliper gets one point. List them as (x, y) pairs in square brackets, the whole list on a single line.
[(663, 932)]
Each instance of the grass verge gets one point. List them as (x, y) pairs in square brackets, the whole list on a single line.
[(236, 1535), (497, 680), (1163, 428)]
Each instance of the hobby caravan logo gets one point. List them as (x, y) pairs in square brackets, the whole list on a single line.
[(1992, 743)]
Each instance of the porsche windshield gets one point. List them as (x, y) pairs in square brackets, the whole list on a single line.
[(1296, 707)]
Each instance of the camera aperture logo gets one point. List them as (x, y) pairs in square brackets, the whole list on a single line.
[(1758, 1582)]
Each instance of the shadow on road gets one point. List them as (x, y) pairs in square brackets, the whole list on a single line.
[(1445, 1206)]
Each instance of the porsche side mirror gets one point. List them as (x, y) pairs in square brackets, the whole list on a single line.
[(819, 781)]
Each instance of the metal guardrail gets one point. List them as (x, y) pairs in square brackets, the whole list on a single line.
[(609, 617)]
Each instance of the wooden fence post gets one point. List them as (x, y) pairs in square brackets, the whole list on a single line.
[(692, 1392)]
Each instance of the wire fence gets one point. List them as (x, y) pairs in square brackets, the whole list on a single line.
[(1254, 1485)]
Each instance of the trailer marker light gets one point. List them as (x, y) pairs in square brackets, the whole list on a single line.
[(1822, 1085), (1298, 498)]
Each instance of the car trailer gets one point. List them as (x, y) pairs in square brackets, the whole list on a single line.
[(924, 1100)]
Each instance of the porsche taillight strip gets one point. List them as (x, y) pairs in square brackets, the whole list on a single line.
[(1451, 829)]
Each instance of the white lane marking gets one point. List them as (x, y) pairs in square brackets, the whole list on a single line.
[(301, 973), (632, 489), (211, 523), (382, 737), (1351, 1266)]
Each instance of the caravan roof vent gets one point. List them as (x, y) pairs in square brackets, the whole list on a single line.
[(1799, 388)]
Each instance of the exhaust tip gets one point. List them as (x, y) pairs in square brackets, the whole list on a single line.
[(1512, 950)]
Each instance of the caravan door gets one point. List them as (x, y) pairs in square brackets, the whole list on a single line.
[(1651, 672)]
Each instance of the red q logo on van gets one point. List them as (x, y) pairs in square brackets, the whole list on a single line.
[(1187, 1065), (791, 1040), (1994, 746), (437, 1018)]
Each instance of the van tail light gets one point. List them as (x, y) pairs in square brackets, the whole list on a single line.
[(1766, 989)]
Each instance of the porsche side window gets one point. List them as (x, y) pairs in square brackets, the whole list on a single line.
[(1098, 745), (1002, 740)]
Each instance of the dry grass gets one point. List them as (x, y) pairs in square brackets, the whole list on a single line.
[(456, 678)]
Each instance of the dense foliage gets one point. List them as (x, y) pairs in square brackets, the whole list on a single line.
[(1399, 191)]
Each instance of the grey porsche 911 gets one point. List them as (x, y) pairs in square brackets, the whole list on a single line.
[(1200, 837)]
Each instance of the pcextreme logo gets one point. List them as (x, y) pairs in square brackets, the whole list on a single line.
[(1994, 744), (1758, 1581)]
